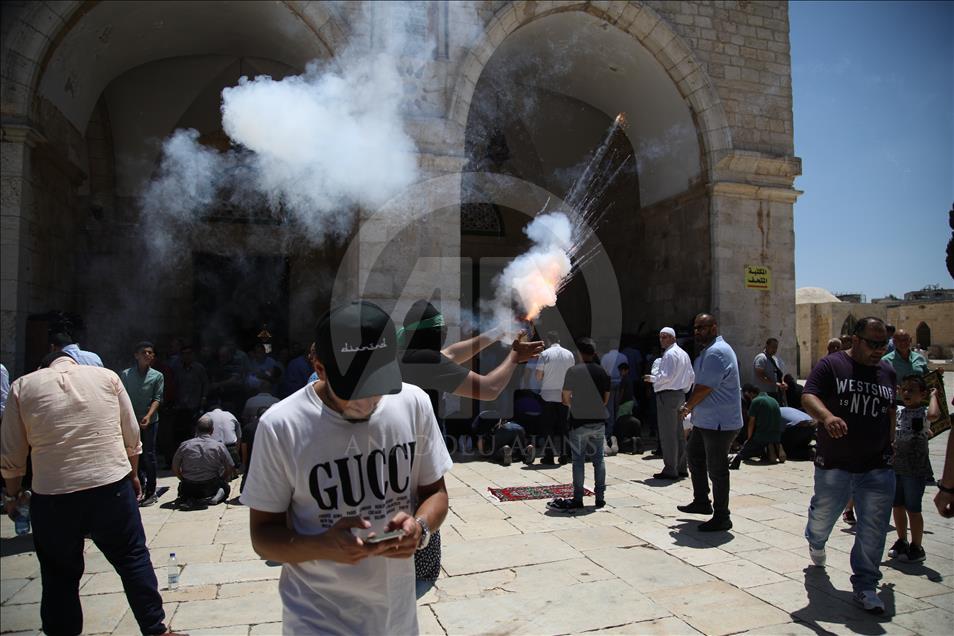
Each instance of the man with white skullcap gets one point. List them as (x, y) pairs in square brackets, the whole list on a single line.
[(672, 377)]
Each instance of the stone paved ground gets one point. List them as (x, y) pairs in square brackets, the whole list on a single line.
[(636, 567)]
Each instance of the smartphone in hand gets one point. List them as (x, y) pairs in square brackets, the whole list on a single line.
[(385, 536)]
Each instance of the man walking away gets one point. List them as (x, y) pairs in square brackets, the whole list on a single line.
[(716, 408), (145, 387), (852, 395), (586, 390), (78, 426), (671, 379)]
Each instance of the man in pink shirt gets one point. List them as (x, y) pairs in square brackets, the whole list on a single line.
[(77, 424)]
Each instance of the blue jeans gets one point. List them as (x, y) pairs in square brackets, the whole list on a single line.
[(110, 515), (588, 439), (873, 492)]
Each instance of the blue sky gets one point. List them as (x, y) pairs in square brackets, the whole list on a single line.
[(873, 88)]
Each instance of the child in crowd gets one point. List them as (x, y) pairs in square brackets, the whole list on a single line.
[(912, 465)]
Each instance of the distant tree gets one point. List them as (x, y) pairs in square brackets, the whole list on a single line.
[(950, 244)]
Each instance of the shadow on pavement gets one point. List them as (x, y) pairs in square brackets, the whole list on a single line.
[(914, 569), (687, 535), (539, 466), (826, 604), (16, 545), (579, 512), (652, 482)]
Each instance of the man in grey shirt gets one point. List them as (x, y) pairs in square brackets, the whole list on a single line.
[(204, 467), (769, 371)]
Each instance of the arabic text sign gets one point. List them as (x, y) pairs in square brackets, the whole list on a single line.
[(758, 277)]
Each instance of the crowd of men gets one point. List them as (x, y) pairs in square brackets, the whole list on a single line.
[(348, 469)]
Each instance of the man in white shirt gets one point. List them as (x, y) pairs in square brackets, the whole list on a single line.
[(336, 465), (610, 363), (552, 366), (671, 379), (226, 429)]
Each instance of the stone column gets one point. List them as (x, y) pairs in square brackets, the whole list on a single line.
[(751, 222), (17, 209)]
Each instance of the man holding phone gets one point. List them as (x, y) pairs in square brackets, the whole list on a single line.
[(347, 483)]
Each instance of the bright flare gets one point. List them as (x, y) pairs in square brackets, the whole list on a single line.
[(530, 282)]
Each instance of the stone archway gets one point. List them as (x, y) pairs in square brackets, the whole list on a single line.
[(746, 194), (922, 335), (642, 23), (588, 65), (848, 325), (40, 28), (59, 58)]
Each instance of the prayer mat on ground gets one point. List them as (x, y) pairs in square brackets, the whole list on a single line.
[(519, 493)]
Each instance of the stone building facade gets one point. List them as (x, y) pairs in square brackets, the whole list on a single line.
[(821, 316), (89, 87)]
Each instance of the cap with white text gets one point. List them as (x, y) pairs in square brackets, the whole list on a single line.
[(357, 344)]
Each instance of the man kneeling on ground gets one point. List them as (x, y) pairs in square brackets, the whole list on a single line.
[(764, 429), (203, 466)]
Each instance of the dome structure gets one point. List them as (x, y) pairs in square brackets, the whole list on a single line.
[(814, 295)]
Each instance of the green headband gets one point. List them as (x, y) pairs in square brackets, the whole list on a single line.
[(430, 323)]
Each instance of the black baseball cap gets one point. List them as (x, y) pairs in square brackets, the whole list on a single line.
[(357, 344)]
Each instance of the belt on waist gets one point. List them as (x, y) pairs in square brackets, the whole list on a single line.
[(672, 391)]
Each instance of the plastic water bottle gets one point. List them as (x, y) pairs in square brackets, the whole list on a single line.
[(22, 521), (173, 567)]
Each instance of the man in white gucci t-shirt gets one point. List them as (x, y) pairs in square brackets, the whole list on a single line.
[(338, 464)]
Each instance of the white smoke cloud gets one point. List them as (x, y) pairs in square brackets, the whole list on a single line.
[(531, 281), (324, 138), (311, 147)]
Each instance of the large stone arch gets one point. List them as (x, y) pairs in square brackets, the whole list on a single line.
[(33, 35), (44, 125), (636, 19), (742, 207)]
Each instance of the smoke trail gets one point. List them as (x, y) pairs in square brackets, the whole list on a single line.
[(532, 281)]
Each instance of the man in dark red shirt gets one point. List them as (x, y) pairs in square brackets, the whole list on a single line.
[(851, 394)]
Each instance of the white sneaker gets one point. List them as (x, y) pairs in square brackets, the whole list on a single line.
[(869, 600), (818, 556)]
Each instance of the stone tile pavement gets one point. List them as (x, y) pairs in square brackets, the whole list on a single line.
[(637, 566)]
